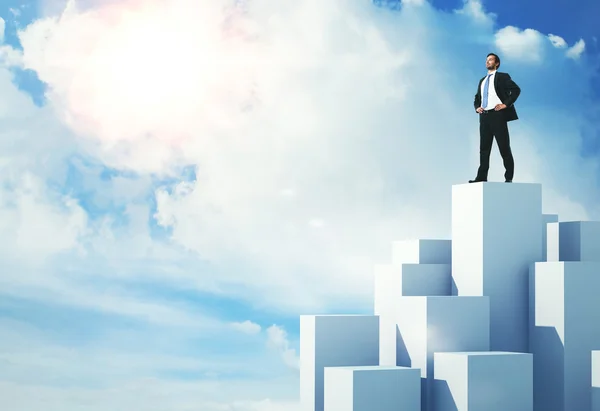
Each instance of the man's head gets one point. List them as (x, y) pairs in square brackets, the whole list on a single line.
[(492, 62)]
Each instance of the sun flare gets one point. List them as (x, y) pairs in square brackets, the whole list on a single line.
[(144, 66)]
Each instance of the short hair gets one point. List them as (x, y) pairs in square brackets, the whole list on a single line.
[(495, 57)]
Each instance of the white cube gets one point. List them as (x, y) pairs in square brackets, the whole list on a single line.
[(332, 341), (422, 251), (483, 381), (496, 235), (392, 282), (574, 241), (595, 380), (546, 219), (564, 310), (372, 388), (424, 325)]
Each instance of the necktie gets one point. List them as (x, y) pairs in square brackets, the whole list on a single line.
[(486, 91)]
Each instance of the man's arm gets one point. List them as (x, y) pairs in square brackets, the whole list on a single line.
[(512, 90), (477, 102)]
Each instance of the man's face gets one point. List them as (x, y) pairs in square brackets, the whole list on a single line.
[(490, 63)]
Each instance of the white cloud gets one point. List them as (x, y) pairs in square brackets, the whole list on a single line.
[(414, 2), (10, 57), (289, 129), (31, 355), (28, 355), (528, 45), (247, 327), (475, 10), (151, 395), (575, 51), (15, 12), (48, 286), (278, 340), (36, 221), (524, 45), (39, 228), (557, 41), (131, 369)]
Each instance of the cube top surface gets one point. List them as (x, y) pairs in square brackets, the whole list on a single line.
[(445, 298), (374, 368), (579, 222), (435, 305), (398, 267), (423, 241), (492, 193), (319, 316), (567, 264), (479, 353), (496, 184)]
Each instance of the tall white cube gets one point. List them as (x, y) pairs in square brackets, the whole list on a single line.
[(393, 281), (496, 235), (574, 241), (332, 341), (483, 381), (422, 251), (372, 388), (596, 380), (564, 312), (424, 325), (546, 219)]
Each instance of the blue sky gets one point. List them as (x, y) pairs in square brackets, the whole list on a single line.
[(172, 200)]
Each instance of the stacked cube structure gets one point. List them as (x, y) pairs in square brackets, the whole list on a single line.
[(503, 316)]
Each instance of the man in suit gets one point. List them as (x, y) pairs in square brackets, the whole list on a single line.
[(494, 102)]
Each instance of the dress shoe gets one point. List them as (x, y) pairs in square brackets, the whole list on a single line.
[(477, 181), (508, 181)]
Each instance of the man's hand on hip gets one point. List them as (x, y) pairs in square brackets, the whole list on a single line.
[(479, 110), (500, 107)]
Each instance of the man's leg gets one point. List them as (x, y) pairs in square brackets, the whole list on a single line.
[(486, 138), (503, 140)]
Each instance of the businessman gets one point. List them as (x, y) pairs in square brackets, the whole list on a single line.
[(494, 102)]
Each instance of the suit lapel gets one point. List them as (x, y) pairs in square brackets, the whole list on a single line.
[(479, 87), (496, 83)]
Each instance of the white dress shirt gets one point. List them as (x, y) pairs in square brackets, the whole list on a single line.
[(493, 98)]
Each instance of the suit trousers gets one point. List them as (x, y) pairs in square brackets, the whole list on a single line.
[(493, 124)]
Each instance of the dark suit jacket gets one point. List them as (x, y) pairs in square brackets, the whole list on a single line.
[(507, 91)]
